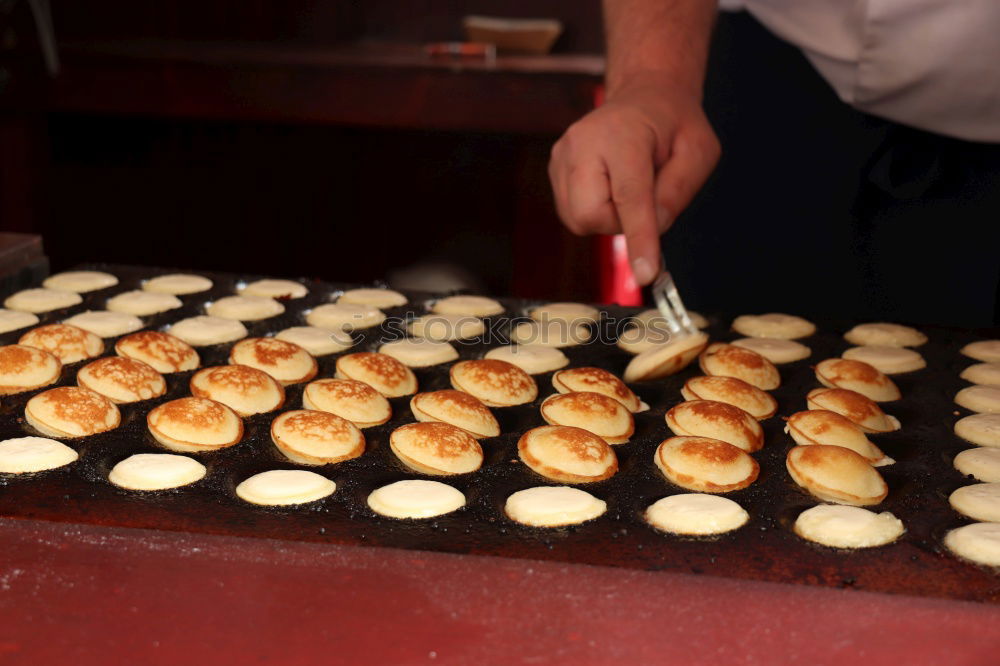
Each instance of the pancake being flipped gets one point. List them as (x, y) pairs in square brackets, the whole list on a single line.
[(71, 411), (818, 426), (759, 404), (649, 329), (122, 380), (311, 437), (567, 454), (860, 410), (458, 409), (595, 412), (355, 401), (24, 368), (597, 380), (666, 359), (80, 281), (285, 361), (161, 351), (495, 383), (244, 389), (716, 420), (436, 448), (194, 424), (857, 376), (724, 360), (705, 465), (67, 343), (835, 474), (380, 371)]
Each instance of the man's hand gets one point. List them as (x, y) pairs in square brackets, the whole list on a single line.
[(633, 165)]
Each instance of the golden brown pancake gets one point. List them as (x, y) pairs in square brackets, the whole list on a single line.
[(597, 380), (724, 360), (730, 390), (567, 454), (24, 368), (162, 351), (495, 383), (716, 420), (71, 411), (285, 361), (311, 437), (458, 409), (244, 389), (66, 342), (355, 401), (595, 412), (436, 448), (857, 376), (121, 379), (860, 410), (194, 424), (819, 426), (705, 465), (666, 359), (835, 474), (380, 371)]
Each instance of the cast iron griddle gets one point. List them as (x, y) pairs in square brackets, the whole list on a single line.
[(764, 549)]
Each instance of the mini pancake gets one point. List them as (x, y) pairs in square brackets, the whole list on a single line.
[(835, 474), (316, 340), (194, 424), (848, 526), (984, 374), (759, 404), (722, 360), (458, 409), (654, 318), (344, 316), (860, 410), (533, 359), (436, 448), (244, 389), (982, 399), (495, 383), (71, 411), (355, 401), (553, 506), (567, 454), (105, 324), (285, 361), (311, 437), (475, 306), (981, 429), (890, 335), (716, 420), (274, 289), (446, 327), (380, 371), (415, 499), (42, 300), (556, 333), (775, 350), (774, 325), (285, 487), (597, 380), (979, 543), (705, 465), (980, 501), (376, 298), (177, 284), (890, 360), (67, 343), (245, 308), (597, 413), (983, 350), (11, 320), (202, 331), (161, 351), (419, 352), (80, 281), (636, 339), (818, 426), (23, 368), (667, 359), (26, 455), (573, 313), (696, 514), (156, 471), (983, 464), (121, 379), (142, 303), (857, 376)]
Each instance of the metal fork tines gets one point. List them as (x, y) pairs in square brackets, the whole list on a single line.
[(669, 303)]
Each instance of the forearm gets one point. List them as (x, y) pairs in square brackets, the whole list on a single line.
[(657, 40)]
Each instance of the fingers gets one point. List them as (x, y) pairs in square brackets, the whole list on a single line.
[(691, 161), (582, 190), (630, 169)]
